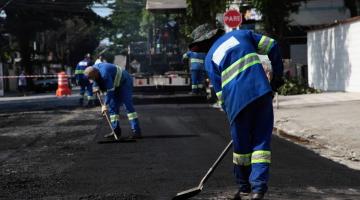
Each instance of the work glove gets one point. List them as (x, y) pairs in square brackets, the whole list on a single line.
[(96, 90), (104, 109), (276, 82)]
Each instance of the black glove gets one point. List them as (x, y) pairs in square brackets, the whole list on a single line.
[(276, 83)]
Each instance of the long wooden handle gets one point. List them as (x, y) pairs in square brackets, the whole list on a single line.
[(106, 116), (216, 163)]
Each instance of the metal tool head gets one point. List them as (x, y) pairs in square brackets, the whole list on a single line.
[(187, 193)]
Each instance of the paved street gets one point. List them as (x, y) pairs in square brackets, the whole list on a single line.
[(49, 150)]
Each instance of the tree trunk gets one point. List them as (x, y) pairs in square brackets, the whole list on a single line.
[(25, 54), (352, 6)]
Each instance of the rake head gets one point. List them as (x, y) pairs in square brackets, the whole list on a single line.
[(187, 193)]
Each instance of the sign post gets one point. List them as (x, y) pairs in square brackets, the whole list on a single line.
[(232, 18), (1, 80)]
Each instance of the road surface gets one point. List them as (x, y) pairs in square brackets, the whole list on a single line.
[(49, 150)]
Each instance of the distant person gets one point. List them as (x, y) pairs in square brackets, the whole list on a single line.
[(83, 81), (241, 83), (22, 83), (100, 59), (197, 70), (118, 84)]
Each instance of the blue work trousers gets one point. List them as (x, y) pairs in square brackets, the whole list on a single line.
[(251, 133), (123, 96), (86, 85), (197, 79)]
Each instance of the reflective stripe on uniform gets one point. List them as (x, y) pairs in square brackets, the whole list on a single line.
[(114, 118), (196, 60), (242, 159), (117, 76), (83, 63), (265, 44), (111, 89), (78, 71), (194, 86), (261, 156), (200, 86), (219, 96), (90, 97), (220, 52), (238, 66), (132, 116)]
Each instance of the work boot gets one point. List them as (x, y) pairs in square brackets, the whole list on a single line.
[(257, 196), (90, 103), (81, 101), (239, 195), (135, 135), (242, 193)]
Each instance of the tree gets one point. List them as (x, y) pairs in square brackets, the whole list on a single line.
[(353, 6), (276, 15), (26, 18), (125, 21), (204, 11)]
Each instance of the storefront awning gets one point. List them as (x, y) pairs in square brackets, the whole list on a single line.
[(163, 5)]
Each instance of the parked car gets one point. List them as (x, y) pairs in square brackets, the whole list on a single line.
[(44, 84)]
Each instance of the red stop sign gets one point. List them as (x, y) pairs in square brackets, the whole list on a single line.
[(232, 18)]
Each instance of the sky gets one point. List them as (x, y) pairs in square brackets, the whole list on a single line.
[(101, 9)]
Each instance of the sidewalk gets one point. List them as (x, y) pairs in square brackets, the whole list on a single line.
[(327, 123)]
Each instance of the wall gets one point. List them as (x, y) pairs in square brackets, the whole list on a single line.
[(316, 12), (334, 57)]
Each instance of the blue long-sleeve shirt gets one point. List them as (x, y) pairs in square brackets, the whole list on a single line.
[(235, 69), (196, 60), (111, 77), (80, 68)]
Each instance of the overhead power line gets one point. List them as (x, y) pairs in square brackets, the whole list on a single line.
[(6, 4)]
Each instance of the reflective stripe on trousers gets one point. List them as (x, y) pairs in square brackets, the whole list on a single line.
[(90, 97), (196, 60), (132, 116), (78, 71), (114, 118), (219, 96), (260, 156), (242, 159)]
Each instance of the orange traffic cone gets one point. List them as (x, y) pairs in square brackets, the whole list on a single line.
[(63, 85)]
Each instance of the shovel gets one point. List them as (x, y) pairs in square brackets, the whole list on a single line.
[(106, 116), (196, 190)]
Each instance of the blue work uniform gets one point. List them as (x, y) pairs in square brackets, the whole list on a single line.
[(83, 81), (197, 70), (117, 83), (240, 83)]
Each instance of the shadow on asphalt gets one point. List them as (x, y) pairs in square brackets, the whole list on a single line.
[(115, 141), (168, 136)]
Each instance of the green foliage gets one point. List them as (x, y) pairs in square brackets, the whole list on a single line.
[(125, 21), (276, 14), (146, 23), (294, 87), (353, 6), (26, 19), (202, 11)]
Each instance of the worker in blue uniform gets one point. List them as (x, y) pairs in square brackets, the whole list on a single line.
[(239, 80), (83, 81), (117, 83), (197, 69)]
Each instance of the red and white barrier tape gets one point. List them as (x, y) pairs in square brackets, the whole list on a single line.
[(36, 76)]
